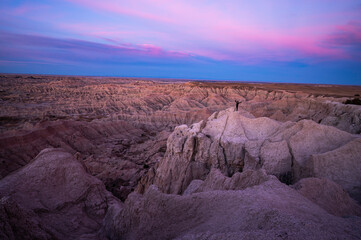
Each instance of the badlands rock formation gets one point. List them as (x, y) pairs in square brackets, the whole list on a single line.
[(236, 142), (286, 166), (30, 99), (66, 202), (114, 122), (226, 170)]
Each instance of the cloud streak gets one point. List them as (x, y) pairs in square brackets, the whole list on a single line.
[(34, 47), (348, 35), (209, 30)]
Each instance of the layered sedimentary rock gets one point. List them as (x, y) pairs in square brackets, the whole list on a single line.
[(234, 142), (114, 151), (113, 123), (30, 99)]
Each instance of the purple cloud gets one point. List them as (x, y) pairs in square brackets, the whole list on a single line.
[(346, 35), (21, 46), (348, 38)]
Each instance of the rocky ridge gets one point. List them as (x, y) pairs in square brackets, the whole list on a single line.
[(235, 141), (30, 99)]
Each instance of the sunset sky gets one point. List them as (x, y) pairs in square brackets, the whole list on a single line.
[(308, 41)]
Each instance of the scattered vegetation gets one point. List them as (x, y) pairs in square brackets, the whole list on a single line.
[(355, 101), (10, 120)]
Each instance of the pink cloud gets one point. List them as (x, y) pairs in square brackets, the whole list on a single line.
[(207, 30), (271, 45), (346, 35)]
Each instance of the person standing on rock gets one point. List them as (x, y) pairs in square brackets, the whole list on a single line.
[(237, 103)]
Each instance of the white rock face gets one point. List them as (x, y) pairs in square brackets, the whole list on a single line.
[(276, 158), (314, 138), (234, 142), (69, 202), (181, 149)]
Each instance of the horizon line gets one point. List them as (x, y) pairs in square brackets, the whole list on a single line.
[(180, 79)]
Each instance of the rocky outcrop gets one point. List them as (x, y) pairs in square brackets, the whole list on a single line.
[(182, 154), (54, 194), (271, 210), (234, 142)]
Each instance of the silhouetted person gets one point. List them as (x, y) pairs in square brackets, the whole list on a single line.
[(237, 102)]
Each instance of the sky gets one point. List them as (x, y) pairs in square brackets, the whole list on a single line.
[(308, 41)]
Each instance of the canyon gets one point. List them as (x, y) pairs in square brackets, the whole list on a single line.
[(133, 158)]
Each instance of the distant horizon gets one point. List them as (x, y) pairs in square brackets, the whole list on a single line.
[(178, 79), (310, 42)]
